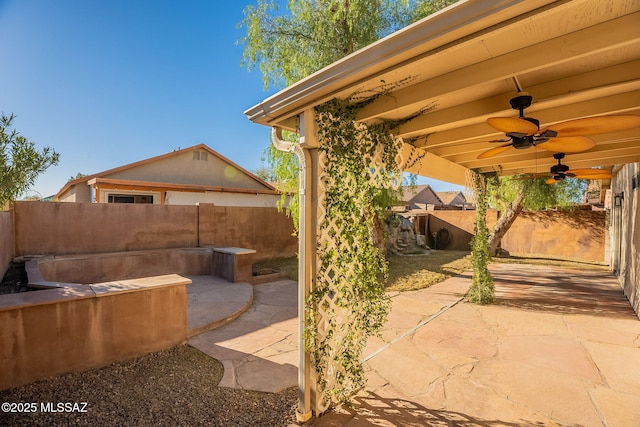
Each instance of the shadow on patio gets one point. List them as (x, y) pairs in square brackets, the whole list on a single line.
[(559, 290), (560, 347)]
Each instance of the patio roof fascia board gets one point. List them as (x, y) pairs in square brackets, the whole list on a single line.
[(457, 21)]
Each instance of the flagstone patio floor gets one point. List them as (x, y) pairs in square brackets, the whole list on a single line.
[(560, 347)]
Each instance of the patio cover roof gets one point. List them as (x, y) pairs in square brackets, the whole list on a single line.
[(460, 66)]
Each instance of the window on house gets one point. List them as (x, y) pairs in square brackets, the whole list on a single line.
[(130, 198)]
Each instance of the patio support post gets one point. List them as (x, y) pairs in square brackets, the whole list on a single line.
[(307, 154)]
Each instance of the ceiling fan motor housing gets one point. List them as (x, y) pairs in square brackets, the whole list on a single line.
[(521, 142), (559, 168)]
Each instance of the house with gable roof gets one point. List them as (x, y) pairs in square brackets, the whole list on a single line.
[(420, 197), (423, 197), (453, 199), (196, 174)]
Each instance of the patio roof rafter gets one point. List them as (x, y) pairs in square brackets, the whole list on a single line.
[(595, 40), (618, 79)]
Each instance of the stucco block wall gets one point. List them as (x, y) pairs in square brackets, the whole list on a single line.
[(6, 241), (71, 228), (49, 228), (577, 234), (73, 333), (266, 230), (460, 225)]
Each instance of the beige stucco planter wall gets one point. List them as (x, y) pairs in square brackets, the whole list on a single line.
[(78, 327)]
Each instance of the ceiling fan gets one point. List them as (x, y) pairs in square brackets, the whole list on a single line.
[(559, 172), (566, 137)]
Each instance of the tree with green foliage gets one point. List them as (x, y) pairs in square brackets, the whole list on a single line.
[(285, 170), (77, 176), (310, 35), (20, 161), (511, 194), (313, 34), (265, 174)]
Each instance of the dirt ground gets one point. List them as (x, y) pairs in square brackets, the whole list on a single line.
[(175, 387)]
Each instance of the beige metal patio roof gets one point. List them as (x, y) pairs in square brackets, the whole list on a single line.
[(455, 69)]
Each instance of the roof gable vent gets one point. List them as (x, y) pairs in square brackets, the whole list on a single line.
[(200, 155)]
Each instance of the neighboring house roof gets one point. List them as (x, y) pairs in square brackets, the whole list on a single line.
[(452, 198), (414, 196), (146, 173)]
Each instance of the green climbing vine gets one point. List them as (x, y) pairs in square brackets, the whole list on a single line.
[(481, 290), (348, 303)]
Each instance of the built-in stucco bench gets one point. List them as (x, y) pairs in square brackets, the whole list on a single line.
[(109, 266), (232, 264), (36, 280)]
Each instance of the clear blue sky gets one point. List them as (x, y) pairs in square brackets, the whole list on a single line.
[(111, 82)]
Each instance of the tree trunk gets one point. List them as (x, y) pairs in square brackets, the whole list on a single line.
[(505, 221)]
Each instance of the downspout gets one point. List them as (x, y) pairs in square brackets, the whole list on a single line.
[(304, 411), (281, 144)]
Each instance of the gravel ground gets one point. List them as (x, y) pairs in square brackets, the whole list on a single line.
[(175, 387)]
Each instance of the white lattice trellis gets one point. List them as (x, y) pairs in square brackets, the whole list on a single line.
[(470, 189), (351, 160)]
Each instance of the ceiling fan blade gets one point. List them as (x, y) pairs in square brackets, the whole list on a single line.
[(595, 176), (494, 151), (512, 125), (551, 181), (573, 144), (594, 125), (589, 172)]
